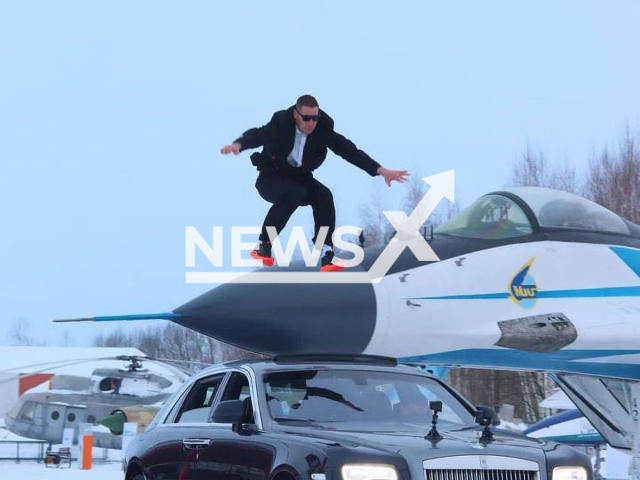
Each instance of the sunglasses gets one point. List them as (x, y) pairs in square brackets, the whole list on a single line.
[(308, 118)]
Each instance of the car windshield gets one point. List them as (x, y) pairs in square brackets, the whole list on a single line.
[(360, 400), (491, 217)]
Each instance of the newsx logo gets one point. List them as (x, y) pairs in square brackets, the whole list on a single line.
[(283, 257), (407, 236)]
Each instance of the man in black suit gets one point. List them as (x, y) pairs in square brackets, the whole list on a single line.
[(295, 143)]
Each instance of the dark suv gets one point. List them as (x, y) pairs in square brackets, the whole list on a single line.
[(333, 418)]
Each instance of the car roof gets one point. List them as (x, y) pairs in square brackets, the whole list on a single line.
[(293, 362)]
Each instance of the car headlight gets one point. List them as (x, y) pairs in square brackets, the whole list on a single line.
[(569, 473), (371, 472)]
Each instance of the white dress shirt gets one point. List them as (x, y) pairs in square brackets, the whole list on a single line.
[(295, 157)]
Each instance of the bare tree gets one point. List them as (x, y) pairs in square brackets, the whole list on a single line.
[(613, 179), (378, 230), (174, 342), (20, 333), (416, 189), (67, 339), (523, 390), (117, 338), (535, 388), (564, 177), (373, 222), (532, 169)]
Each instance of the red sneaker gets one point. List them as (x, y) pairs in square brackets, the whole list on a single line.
[(263, 252), (328, 266)]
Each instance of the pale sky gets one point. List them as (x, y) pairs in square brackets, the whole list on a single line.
[(112, 115)]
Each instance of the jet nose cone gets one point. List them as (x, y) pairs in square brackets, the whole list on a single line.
[(286, 318)]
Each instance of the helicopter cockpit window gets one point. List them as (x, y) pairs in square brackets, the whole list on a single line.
[(28, 411), (554, 208), (137, 387), (197, 404), (110, 385), (491, 217), (15, 410)]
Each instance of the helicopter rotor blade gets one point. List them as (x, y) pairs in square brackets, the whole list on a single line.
[(60, 364), (48, 367), (175, 360), (57, 363)]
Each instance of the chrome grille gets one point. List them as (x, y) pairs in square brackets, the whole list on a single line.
[(479, 474), (480, 467)]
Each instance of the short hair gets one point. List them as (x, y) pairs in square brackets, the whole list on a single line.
[(307, 101)]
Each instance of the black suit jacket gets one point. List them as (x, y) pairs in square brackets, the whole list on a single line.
[(278, 136)]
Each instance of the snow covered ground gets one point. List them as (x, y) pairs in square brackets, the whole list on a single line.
[(37, 471), (10, 470), (30, 448), (33, 450)]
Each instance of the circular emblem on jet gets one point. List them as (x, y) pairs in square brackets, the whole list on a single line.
[(523, 289)]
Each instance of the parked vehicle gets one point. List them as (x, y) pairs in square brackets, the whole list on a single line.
[(335, 418)]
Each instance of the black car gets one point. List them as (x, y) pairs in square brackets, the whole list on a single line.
[(333, 418)]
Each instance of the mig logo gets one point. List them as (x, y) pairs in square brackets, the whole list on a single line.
[(523, 289)]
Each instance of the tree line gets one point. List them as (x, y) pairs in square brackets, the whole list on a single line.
[(174, 342)]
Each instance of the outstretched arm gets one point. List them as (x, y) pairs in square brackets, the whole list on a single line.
[(252, 138), (344, 147)]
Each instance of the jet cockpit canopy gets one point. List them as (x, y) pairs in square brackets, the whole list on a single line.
[(521, 211)]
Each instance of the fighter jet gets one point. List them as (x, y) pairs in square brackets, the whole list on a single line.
[(527, 278)]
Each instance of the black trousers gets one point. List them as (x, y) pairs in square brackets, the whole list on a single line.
[(287, 193)]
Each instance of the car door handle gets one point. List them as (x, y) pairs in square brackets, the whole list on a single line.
[(196, 443)]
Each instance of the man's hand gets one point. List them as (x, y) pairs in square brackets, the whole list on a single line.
[(399, 176), (233, 148)]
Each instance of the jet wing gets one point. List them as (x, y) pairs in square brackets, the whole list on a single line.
[(607, 403)]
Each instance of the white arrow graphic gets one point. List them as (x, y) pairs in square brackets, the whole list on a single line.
[(408, 227)]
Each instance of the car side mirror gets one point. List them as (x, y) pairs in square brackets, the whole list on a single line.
[(229, 411), (486, 416)]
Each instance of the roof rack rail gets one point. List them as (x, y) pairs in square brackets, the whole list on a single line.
[(336, 358)]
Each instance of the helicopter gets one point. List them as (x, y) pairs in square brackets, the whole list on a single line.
[(135, 390)]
